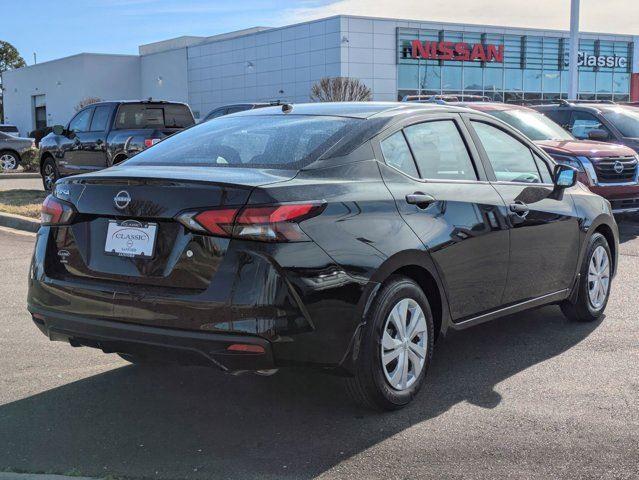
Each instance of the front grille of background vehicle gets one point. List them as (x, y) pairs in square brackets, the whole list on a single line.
[(605, 168)]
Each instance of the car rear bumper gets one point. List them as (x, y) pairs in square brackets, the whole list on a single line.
[(180, 346)]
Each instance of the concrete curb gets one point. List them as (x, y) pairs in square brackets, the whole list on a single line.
[(19, 223), (38, 476), (17, 176)]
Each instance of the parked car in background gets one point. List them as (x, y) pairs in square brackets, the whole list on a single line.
[(10, 129), (234, 108), (11, 150), (342, 236), (607, 169), (605, 121), (107, 133)]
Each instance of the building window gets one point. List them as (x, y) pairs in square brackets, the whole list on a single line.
[(39, 111), (451, 78), (529, 67)]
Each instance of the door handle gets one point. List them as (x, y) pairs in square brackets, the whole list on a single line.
[(520, 209), (422, 200)]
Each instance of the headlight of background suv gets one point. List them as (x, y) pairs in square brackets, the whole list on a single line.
[(572, 161)]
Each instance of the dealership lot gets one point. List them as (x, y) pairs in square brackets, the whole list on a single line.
[(531, 396)]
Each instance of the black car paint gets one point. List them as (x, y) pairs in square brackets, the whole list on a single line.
[(85, 152), (307, 302)]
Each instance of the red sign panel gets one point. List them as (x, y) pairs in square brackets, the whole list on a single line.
[(461, 52)]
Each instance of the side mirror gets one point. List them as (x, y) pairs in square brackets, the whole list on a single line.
[(565, 176), (598, 135), (58, 129)]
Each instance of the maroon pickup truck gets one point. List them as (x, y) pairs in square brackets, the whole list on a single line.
[(607, 169)]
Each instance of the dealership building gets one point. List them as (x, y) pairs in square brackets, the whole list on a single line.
[(393, 57)]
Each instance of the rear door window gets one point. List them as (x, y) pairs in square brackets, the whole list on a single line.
[(397, 154), (440, 151), (100, 119), (132, 116), (237, 108), (562, 117), (215, 113), (9, 129)]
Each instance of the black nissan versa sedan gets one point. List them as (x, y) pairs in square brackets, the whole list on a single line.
[(347, 237)]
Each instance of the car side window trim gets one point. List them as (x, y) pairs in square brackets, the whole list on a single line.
[(473, 153)]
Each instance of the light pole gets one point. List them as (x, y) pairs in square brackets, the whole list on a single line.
[(573, 70)]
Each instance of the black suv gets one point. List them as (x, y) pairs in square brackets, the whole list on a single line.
[(346, 237), (604, 121), (106, 133)]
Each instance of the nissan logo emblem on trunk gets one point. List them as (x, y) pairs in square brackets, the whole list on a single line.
[(618, 166), (122, 199)]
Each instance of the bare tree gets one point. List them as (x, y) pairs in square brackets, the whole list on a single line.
[(85, 102), (340, 89)]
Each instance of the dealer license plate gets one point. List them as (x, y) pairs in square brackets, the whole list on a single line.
[(130, 238)]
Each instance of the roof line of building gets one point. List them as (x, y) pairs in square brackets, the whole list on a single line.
[(477, 26), (474, 25), (93, 54)]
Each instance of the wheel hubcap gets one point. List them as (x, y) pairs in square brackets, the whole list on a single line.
[(598, 277), (8, 162), (403, 349), (49, 176)]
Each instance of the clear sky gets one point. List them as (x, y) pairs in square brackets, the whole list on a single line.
[(56, 28)]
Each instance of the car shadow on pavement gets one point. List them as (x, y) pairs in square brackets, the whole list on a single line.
[(197, 423), (628, 227)]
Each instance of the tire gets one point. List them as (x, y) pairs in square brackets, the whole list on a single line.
[(374, 384), (49, 174), (9, 160), (589, 306)]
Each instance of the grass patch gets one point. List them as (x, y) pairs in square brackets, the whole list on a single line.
[(22, 202)]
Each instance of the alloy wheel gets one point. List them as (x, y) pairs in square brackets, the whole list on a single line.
[(403, 346), (598, 277), (49, 176), (8, 162)]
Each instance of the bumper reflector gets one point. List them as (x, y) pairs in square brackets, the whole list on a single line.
[(245, 348)]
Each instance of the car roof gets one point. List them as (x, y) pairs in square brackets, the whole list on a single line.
[(600, 107), (123, 102), (361, 110), (492, 106)]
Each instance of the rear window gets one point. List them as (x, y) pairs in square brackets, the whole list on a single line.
[(133, 116), (8, 129), (265, 141)]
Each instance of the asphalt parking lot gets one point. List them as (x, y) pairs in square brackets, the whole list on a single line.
[(21, 183), (529, 396)]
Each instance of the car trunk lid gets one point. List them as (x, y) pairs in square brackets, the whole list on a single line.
[(181, 260)]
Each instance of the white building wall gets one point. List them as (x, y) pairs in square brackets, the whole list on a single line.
[(65, 82), (164, 76), (274, 64)]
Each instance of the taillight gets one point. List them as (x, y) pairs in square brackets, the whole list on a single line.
[(266, 223), (56, 212), (149, 142)]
